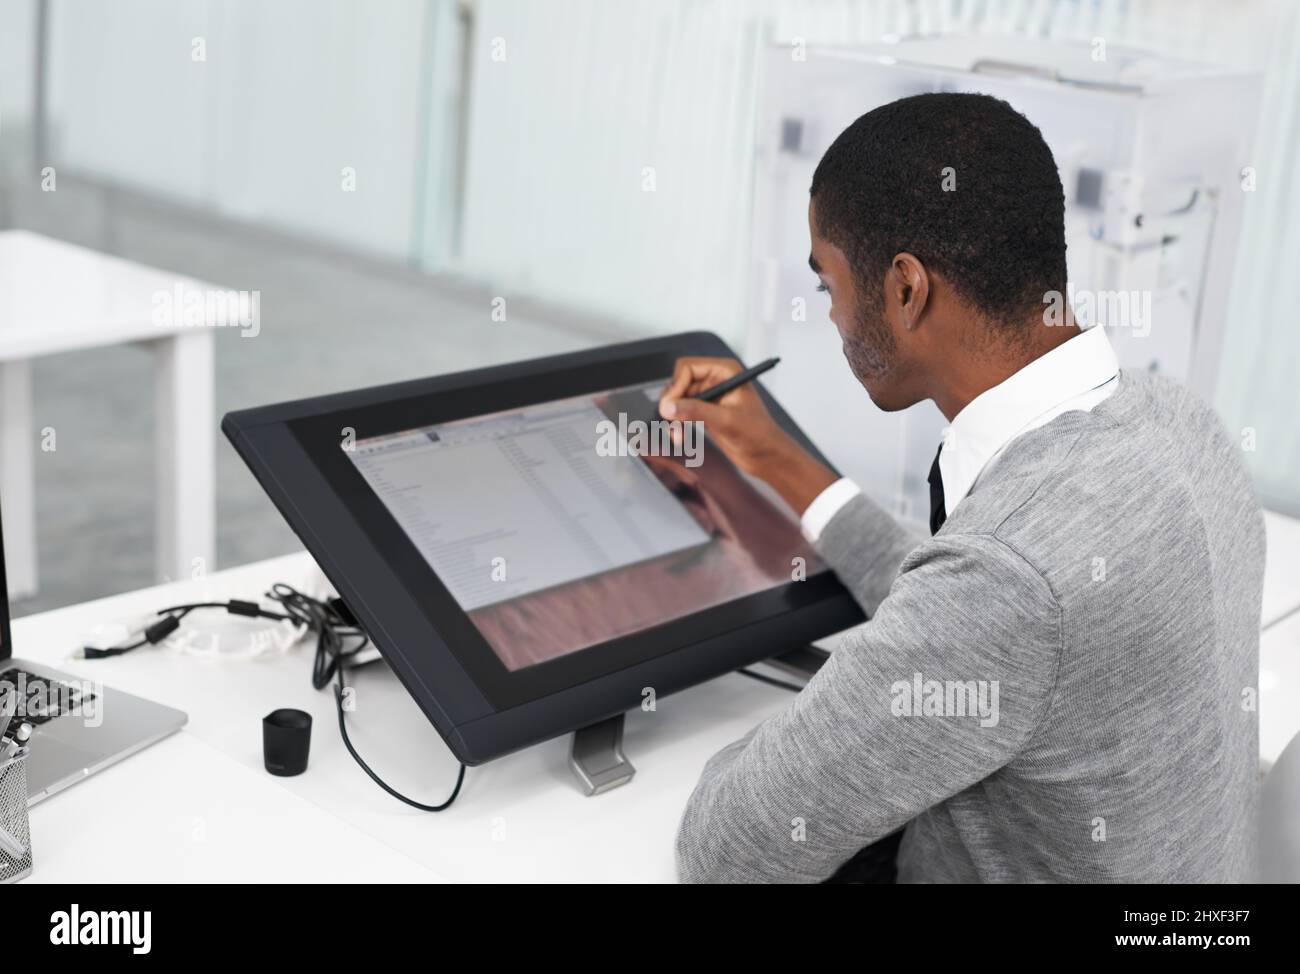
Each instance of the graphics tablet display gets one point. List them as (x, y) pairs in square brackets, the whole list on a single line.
[(528, 558), (566, 524)]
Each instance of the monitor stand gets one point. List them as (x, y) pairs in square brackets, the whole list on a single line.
[(597, 758), (596, 754), (801, 662)]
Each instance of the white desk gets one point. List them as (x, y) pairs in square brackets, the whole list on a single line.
[(185, 813), (200, 806), (1279, 646), (56, 297), (1282, 568), (517, 819)]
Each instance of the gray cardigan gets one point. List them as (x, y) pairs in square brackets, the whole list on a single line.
[(1060, 685)]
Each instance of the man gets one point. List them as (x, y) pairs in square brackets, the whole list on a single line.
[(1059, 684)]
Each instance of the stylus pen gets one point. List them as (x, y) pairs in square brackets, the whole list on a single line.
[(737, 380)]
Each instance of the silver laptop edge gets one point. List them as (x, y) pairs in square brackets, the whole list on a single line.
[(71, 747)]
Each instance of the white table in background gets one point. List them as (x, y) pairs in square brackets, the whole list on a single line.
[(200, 806), (56, 297)]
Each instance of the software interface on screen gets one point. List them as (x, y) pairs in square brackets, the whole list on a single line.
[(553, 542)]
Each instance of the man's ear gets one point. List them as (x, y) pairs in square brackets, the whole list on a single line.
[(911, 284)]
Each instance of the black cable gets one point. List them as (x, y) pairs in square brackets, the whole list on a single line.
[(90, 652), (170, 621), (332, 632), (347, 742), (771, 681), (332, 654)]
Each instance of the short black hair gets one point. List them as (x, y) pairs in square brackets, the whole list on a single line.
[(998, 237)]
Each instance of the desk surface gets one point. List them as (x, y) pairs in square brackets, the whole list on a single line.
[(1282, 568), (519, 818), (199, 806), (58, 297)]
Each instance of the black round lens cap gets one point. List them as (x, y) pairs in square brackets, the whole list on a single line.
[(286, 741)]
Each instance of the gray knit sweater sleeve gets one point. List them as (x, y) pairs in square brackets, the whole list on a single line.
[(949, 680)]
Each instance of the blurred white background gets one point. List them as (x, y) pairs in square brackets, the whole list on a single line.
[(500, 149)]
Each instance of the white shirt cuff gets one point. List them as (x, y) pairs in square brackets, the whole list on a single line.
[(825, 506)]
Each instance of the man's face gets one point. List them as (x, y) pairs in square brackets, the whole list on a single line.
[(866, 334)]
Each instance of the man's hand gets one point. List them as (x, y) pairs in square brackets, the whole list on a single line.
[(740, 424)]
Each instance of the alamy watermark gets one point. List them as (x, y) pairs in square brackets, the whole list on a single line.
[(97, 928), (655, 438), (192, 307), (919, 697), (1109, 309), (43, 698)]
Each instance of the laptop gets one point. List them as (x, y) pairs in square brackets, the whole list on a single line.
[(79, 727)]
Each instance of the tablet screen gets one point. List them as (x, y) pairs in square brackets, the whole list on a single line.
[(566, 524)]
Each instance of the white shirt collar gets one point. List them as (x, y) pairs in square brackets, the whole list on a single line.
[(1075, 375)]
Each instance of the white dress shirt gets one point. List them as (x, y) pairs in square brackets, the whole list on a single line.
[(1075, 375)]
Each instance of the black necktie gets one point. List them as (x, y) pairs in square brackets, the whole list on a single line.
[(937, 514)]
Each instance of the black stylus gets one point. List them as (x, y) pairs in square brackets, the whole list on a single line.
[(739, 379)]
